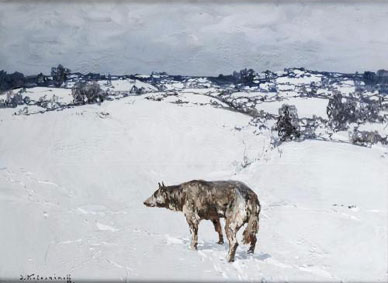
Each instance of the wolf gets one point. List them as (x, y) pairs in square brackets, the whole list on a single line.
[(212, 200)]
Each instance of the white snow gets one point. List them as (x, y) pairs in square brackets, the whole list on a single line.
[(307, 107), (346, 87), (126, 85), (62, 94), (299, 80), (72, 187), (381, 128), (104, 227)]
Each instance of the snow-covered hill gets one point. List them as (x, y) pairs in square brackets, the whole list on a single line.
[(73, 182)]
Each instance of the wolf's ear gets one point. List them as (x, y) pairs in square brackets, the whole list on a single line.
[(159, 185), (163, 184)]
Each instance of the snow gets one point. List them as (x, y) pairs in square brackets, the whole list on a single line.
[(62, 94), (126, 85), (72, 187), (190, 98), (379, 127), (307, 107), (298, 80), (346, 87)]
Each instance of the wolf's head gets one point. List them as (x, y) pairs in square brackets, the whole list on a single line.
[(159, 198)]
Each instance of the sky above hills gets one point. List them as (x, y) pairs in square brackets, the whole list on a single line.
[(192, 38)]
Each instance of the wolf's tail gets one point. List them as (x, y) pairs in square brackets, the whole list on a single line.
[(249, 234)]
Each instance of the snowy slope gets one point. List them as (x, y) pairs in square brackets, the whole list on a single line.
[(306, 107), (72, 185), (125, 85)]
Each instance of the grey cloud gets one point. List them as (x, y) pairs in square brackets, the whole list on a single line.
[(192, 38)]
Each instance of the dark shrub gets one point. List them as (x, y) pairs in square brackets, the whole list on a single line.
[(11, 81), (13, 99), (343, 111), (369, 78), (59, 74), (287, 124), (88, 93)]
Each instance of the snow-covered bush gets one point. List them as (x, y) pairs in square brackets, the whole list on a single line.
[(287, 124), (49, 104), (22, 111), (308, 127), (88, 93), (342, 111), (368, 111), (367, 138), (12, 99), (137, 90)]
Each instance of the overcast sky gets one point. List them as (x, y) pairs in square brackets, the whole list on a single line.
[(193, 38)]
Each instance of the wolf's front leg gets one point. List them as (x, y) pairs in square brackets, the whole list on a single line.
[(217, 227), (193, 224)]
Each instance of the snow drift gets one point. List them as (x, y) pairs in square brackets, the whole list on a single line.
[(73, 182)]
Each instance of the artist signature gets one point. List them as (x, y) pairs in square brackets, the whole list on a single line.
[(37, 277)]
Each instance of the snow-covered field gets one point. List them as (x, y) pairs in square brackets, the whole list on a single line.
[(307, 107), (73, 182)]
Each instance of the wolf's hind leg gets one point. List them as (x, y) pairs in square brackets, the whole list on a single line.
[(253, 244), (217, 227), (231, 228)]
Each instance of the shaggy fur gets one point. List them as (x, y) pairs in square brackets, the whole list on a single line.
[(199, 199)]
